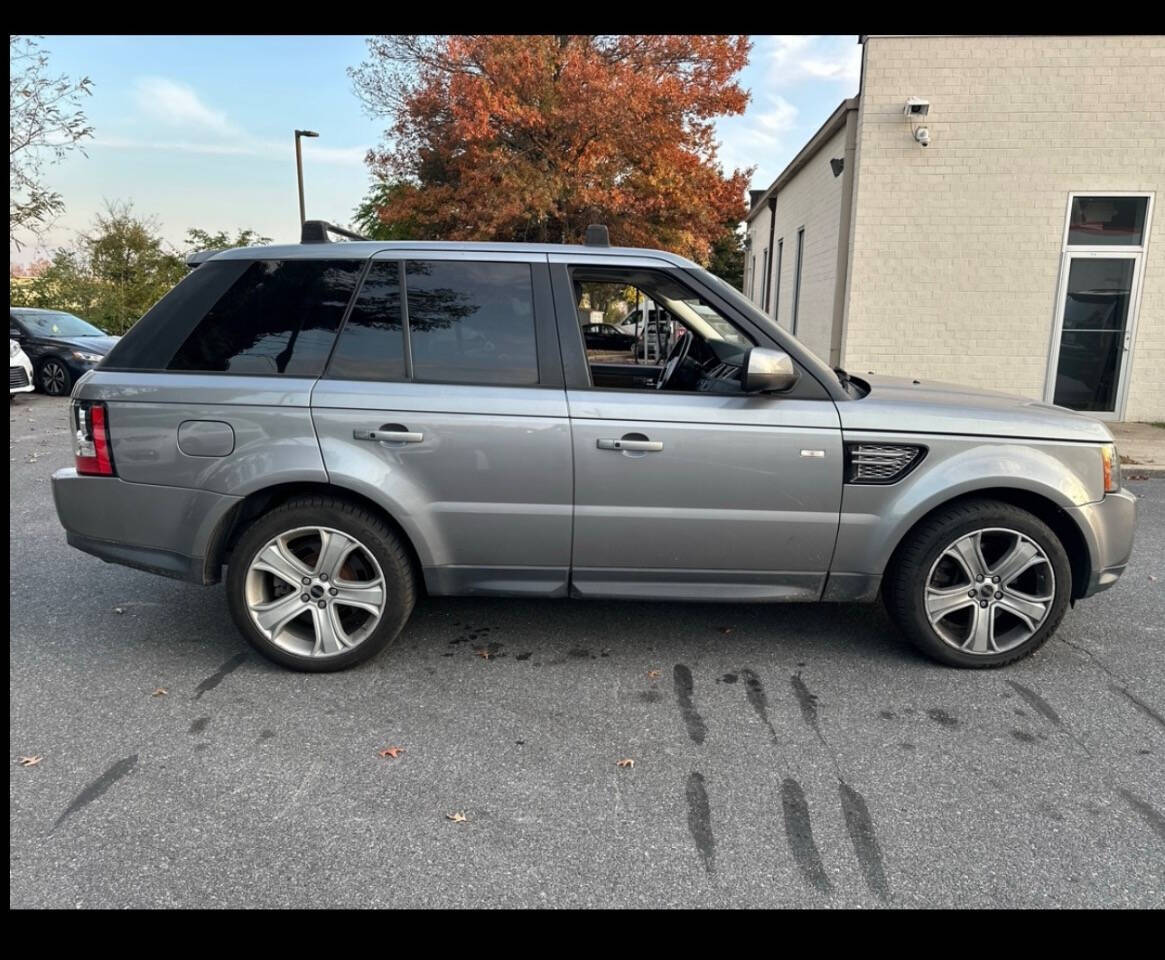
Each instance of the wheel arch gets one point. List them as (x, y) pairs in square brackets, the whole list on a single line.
[(1059, 520), (232, 526)]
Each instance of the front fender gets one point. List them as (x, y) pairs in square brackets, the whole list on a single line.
[(874, 519)]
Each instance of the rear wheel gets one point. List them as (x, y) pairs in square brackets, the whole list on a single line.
[(320, 584), (980, 584), (54, 378)]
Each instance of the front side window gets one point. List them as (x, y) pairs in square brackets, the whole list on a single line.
[(471, 322), (670, 321), (279, 317)]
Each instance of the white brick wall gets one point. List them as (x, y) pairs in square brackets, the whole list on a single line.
[(957, 247), (812, 199)]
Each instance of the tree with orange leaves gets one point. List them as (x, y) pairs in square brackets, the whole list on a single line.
[(532, 138)]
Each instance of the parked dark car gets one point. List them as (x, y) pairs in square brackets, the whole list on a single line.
[(605, 336), (60, 346)]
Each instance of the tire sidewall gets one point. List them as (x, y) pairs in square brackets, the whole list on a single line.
[(984, 516), (372, 534)]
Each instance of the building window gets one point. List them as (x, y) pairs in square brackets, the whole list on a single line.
[(777, 295), (1101, 264), (764, 282), (797, 277)]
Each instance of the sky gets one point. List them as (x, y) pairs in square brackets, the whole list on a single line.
[(197, 131)]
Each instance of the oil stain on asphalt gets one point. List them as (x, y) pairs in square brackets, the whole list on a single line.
[(220, 675), (122, 768)]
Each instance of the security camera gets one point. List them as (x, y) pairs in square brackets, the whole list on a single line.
[(916, 108), (922, 135)]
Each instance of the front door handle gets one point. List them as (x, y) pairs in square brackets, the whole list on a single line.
[(646, 446), (390, 436)]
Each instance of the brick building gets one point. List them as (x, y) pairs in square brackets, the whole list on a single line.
[(1017, 250)]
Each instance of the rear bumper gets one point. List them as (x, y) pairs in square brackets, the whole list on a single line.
[(1108, 525), (164, 530)]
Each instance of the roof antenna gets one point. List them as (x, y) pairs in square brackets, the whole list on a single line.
[(597, 236)]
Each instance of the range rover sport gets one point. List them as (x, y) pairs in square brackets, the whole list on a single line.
[(340, 425)]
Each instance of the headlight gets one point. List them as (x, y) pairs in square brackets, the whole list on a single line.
[(1112, 468), (13, 349), (86, 357)]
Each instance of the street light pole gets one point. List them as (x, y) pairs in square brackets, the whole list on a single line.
[(299, 168)]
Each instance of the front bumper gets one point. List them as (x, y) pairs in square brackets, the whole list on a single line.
[(160, 529), (1108, 526), (20, 378)]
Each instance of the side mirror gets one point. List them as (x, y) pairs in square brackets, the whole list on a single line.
[(768, 371)]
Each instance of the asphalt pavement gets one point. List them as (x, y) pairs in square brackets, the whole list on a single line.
[(796, 755)]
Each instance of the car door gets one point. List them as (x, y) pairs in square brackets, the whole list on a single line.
[(699, 495), (444, 402)]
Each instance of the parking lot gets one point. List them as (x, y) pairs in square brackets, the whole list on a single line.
[(796, 755)]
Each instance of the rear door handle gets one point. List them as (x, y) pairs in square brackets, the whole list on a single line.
[(648, 446), (391, 436)]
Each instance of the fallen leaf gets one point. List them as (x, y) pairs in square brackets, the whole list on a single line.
[(160, 692), (457, 817), (29, 761), (1153, 578), (393, 752), (119, 609), (652, 674), (725, 630), (483, 653), (625, 762)]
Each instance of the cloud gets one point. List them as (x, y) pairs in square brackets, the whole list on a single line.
[(179, 106), (793, 59), (201, 129)]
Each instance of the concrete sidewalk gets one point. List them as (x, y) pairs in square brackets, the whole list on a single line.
[(1141, 447)]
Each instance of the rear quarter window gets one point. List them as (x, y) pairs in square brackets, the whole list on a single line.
[(279, 317)]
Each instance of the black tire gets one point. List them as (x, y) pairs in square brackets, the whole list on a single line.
[(356, 521), (904, 589), (59, 383)]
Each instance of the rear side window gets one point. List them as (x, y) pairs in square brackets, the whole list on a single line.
[(372, 344), (472, 322), (468, 322), (279, 317)]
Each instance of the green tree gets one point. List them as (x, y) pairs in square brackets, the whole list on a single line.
[(383, 197), (197, 239), (727, 257), (45, 123)]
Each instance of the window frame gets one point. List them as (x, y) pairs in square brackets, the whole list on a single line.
[(546, 350), (777, 285), (1138, 253), (797, 279)]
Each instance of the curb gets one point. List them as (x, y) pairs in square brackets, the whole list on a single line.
[(1129, 471)]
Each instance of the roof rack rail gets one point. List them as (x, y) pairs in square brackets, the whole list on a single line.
[(316, 231), (201, 256)]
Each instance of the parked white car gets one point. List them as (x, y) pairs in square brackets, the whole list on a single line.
[(19, 370)]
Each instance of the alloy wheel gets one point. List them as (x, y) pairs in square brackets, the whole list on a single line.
[(315, 591), (53, 378), (990, 591)]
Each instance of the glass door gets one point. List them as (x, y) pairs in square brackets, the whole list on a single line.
[(1094, 330)]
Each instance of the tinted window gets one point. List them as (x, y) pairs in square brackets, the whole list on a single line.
[(279, 317), (472, 322), (372, 344), (1107, 221)]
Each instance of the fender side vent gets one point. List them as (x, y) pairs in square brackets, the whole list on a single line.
[(880, 463)]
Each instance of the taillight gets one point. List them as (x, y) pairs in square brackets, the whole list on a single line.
[(91, 439)]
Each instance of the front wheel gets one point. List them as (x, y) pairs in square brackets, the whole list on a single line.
[(55, 379), (320, 584), (980, 584)]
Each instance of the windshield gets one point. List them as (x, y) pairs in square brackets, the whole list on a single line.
[(56, 325)]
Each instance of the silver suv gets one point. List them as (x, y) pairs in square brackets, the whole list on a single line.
[(341, 425)]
